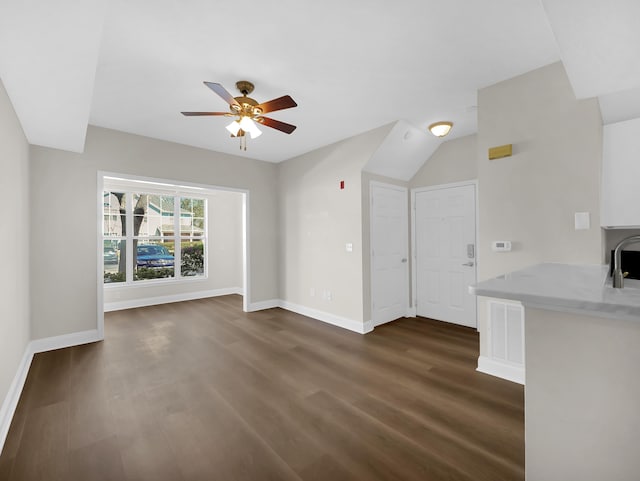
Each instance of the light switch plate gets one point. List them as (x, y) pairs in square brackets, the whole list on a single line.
[(349, 247), (582, 220)]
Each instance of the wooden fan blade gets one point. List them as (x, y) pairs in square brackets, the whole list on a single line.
[(276, 124), (190, 114), (222, 92), (285, 102)]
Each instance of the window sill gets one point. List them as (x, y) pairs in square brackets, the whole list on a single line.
[(154, 282)]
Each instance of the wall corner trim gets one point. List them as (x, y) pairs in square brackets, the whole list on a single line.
[(502, 370), (10, 403)]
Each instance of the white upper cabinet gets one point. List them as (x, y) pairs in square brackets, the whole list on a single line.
[(621, 174)]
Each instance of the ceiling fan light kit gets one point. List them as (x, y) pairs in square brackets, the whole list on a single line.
[(247, 112), (233, 128), (440, 129), (250, 126)]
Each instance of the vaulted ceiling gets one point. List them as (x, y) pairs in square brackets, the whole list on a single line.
[(133, 65)]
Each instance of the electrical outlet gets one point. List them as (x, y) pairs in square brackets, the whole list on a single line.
[(312, 292)]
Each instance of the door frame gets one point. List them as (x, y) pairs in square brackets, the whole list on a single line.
[(414, 256), (407, 287)]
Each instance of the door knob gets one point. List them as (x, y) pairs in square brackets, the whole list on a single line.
[(468, 264), (404, 260)]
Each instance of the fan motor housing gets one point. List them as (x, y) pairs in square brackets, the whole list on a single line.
[(246, 100), (247, 106)]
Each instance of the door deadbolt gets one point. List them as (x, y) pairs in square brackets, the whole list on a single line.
[(471, 251)]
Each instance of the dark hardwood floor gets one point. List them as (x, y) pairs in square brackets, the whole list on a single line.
[(200, 390)]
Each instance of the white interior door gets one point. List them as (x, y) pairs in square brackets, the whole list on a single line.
[(445, 247), (389, 252)]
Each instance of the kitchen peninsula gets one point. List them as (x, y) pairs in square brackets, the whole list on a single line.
[(582, 358)]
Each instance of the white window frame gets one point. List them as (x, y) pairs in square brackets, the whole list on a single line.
[(131, 187)]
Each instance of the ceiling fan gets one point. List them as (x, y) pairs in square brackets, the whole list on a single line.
[(247, 112)]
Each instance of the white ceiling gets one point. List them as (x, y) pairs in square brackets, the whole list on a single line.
[(133, 65), (402, 152), (48, 57), (599, 43)]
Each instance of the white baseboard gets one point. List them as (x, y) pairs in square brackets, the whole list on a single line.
[(66, 340), (332, 319), (262, 305), (501, 370), (153, 301), (339, 321), (411, 312), (10, 403), (11, 400)]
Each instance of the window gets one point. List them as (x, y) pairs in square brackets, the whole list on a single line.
[(153, 230), (114, 241), (192, 229)]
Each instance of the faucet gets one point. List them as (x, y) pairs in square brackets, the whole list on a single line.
[(618, 276)]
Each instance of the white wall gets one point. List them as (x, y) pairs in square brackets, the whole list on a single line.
[(317, 219), (454, 161), (224, 257), (225, 240), (63, 200), (14, 232), (531, 197)]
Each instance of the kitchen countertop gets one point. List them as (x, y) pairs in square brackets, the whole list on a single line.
[(583, 289)]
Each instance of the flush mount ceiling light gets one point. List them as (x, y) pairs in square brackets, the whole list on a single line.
[(247, 112), (440, 129)]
